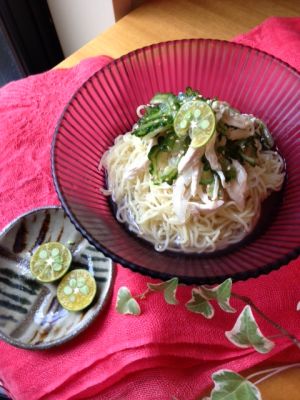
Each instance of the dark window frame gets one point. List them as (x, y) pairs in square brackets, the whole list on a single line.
[(31, 33)]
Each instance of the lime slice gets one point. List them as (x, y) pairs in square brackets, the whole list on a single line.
[(76, 290), (50, 262), (197, 119)]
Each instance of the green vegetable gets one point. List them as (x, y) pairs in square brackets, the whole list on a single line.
[(188, 95), (241, 150), (167, 102), (227, 168), (158, 117), (222, 127), (265, 137), (207, 176), (159, 168), (163, 98), (249, 160), (165, 156), (171, 142), (248, 151), (188, 120), (151, 113), (152, 127)]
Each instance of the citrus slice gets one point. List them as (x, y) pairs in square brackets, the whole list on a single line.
[(50, 262), (76, 290), (197, 119)]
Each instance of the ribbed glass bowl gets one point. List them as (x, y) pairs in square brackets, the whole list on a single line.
[(105, 107)]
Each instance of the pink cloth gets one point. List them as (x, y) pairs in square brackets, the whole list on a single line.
[(166, 351), (279, 37)]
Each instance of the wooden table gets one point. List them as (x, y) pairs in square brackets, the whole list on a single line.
[(160, 20)]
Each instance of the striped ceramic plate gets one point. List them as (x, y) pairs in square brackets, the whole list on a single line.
[(30, 315)]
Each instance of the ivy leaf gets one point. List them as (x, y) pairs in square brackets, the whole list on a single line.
[(168, 287), (200, 305), (221, 293), (126, 304), (246, 333), (231, 386)]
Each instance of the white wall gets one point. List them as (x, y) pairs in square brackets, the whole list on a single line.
[(79, 21)]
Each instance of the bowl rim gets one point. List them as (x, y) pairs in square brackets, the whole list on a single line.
[(135, 267), (76, 332)]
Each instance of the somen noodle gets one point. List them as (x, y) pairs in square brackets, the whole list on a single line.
[(185, 196)]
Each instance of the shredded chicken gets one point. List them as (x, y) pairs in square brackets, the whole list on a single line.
[(179, 199), (190, 158), (211, 155), (237, 188), (140, 164), (207, 207), (187, 185), (212, 158), (220, 107), (196, 173), (236, 134), (216, 188), (232, 118)]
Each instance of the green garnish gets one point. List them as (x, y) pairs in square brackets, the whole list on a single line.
[(207, 177), (153, 127), (227, 168), (165, 156), (188, 95), (187, 120), (265, 137), (168, 103)]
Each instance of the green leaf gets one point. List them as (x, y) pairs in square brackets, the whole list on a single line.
[(126, 304), (231, 386), (168, 287), (220, 293), (199, 304), (246, 333)]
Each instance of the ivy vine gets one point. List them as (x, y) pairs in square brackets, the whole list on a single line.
[(245, 333)]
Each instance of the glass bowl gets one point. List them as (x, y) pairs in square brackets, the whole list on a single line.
[(105, 107)]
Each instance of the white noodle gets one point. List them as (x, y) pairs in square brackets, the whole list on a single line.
[(148, 209)]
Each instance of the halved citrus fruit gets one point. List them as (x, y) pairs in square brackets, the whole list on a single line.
[(50, 262), (76, 290), (197, 119)]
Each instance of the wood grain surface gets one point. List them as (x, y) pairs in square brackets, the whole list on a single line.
[(160, 20)]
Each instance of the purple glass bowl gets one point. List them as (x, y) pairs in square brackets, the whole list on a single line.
[(105, 107)]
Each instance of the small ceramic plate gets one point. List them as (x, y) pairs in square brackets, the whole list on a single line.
[(30, 315)]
